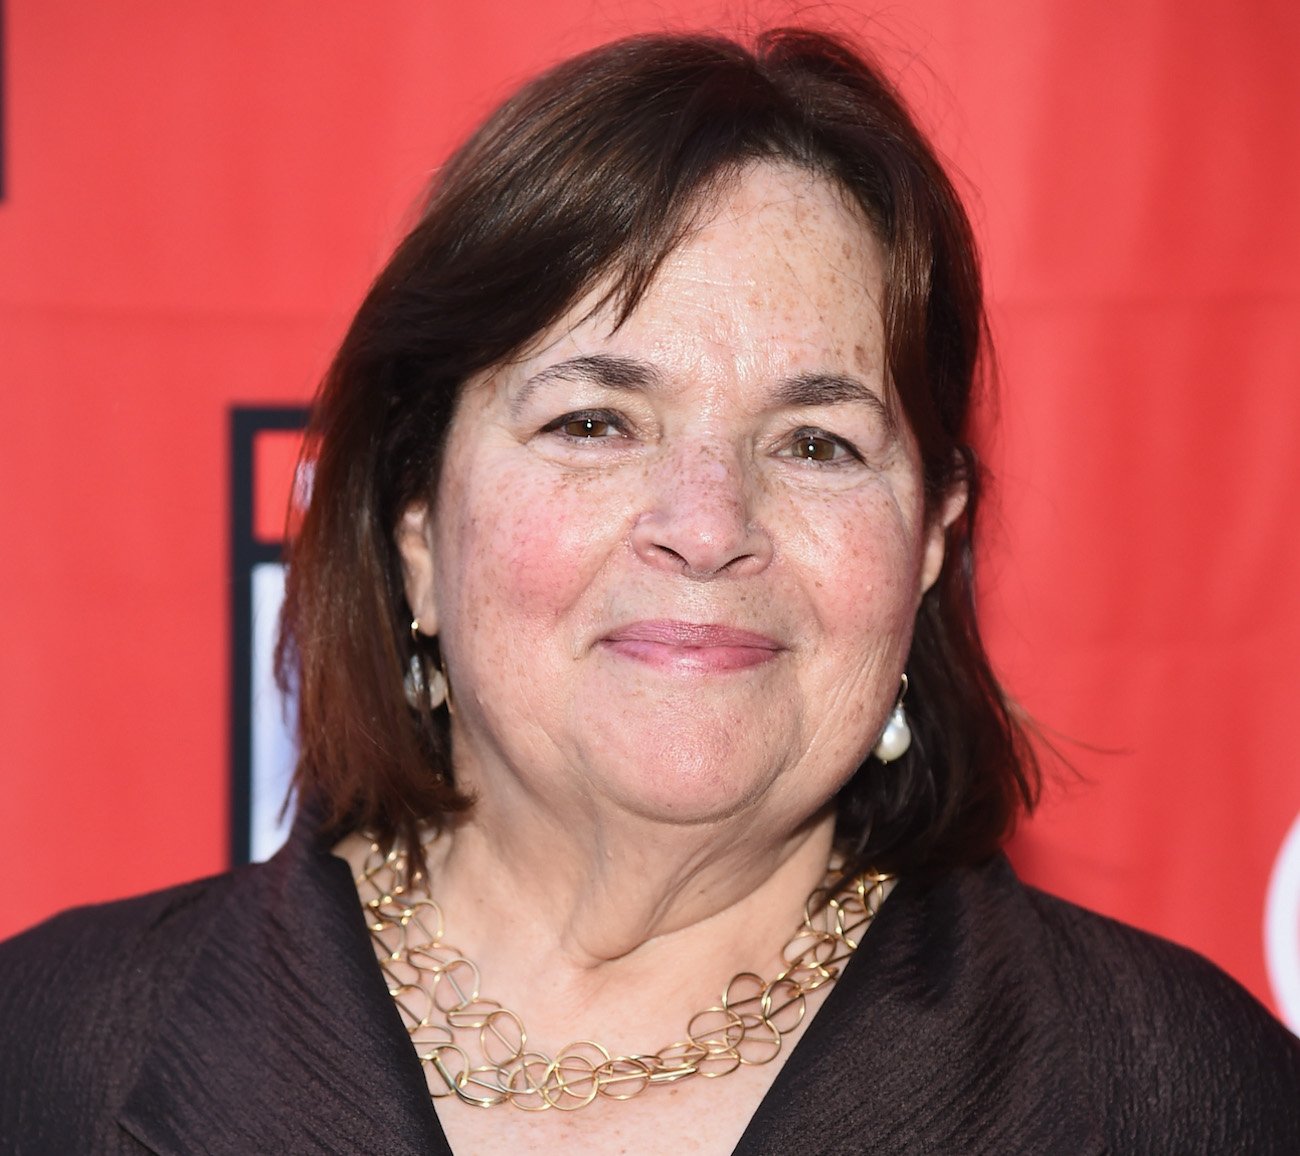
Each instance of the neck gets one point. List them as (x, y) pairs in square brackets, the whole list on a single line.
[(619, 937), (593, 891), (750, 1023)]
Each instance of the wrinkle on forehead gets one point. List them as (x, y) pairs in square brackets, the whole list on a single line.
[(737, 204), (798, 247)]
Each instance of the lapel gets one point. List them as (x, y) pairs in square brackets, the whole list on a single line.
[(947, 1034), (286, 975)]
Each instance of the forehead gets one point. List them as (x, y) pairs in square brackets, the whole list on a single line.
[(772, 212), (779, 272), (778, 238)]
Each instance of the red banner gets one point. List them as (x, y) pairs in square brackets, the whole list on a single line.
[(196, 195)]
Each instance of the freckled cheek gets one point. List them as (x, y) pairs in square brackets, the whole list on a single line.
[(533, 550), (866, 572)]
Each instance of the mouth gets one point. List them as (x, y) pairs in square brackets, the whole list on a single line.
[(691, 647)]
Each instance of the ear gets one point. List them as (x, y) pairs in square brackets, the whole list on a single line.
[(414, 537), (936, 534)]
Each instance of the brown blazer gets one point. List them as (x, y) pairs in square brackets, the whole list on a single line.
[(246, 1014)]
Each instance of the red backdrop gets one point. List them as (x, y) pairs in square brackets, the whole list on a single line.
[(197, 194)]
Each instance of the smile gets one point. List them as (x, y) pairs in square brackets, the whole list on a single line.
[(691, 646)]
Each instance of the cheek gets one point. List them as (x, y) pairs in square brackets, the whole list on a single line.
[(864, 564), (518, 547)]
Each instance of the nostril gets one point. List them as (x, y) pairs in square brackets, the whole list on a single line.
[(700, 551), (699, 516), (671, 555)]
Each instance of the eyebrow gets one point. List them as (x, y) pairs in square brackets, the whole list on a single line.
[(804, 390), (599, 369), (812, 389)]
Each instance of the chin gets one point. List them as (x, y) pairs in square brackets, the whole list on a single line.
[(682, 776)]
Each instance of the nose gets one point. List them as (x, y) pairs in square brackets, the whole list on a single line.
[(699, 516)]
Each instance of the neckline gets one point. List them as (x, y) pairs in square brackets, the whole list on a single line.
[(821, 1026)]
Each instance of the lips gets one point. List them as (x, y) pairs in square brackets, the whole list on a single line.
[(691, 646)]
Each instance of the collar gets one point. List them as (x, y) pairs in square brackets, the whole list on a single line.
[(947, 1033), (287, 974)]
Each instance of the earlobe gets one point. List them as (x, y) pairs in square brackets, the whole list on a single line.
[(936, 534), (414, 540)]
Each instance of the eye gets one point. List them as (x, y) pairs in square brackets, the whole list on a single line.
[(815, 445), (590, 424), (586, 425)]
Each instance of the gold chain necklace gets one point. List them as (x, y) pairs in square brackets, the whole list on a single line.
[(476, 1050)]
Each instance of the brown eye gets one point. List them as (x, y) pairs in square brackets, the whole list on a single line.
[(586, 427), (814, 449)]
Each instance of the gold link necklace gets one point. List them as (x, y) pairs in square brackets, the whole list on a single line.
[(476, 1050)]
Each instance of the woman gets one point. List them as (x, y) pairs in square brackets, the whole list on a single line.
[(632, 628)]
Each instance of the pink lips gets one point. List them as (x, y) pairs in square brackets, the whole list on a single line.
[(691, 646)]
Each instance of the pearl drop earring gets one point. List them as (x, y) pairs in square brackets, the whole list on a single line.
[(897, 735), (419, 689)]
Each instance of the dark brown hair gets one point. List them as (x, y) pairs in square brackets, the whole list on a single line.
[(590, 175)]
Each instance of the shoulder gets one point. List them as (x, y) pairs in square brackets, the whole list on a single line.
[(102, 943), (96, 963), (1168, 1036), (121, 920), (1103, 964), (81, 993)]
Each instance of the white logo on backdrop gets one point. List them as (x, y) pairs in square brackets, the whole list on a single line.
[(1282, 928), (274, 747)]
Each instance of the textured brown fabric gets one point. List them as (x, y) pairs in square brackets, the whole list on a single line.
[(246, 1014)]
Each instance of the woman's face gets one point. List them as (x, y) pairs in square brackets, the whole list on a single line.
[(674, 567)]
